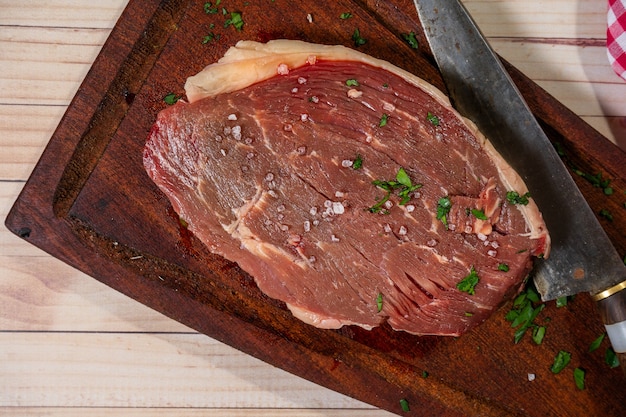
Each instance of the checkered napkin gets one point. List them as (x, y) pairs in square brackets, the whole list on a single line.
[(616, 36)]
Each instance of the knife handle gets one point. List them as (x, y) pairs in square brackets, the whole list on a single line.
[(612, 306)]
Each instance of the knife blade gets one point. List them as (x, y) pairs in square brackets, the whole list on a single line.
[(582, 258)]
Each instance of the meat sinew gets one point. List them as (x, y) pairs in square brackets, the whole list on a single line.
[(347, 187)]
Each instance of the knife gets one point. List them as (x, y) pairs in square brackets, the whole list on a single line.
[(582, 258)]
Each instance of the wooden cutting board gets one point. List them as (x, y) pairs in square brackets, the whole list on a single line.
[(90, 203)]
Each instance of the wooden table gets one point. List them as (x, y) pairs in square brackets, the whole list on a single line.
[(72, 346)]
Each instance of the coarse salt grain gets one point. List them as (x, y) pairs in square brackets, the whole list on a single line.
[(492, 253), (403, 231), (309, 18), (301, 150), (531, 377), (346, 163), (339, 194), (304, 117), (387, 228), (282, 69), (313, 211), (287, 127), (314, 99), (294, 90), (232, 116), (301, 80), (334, 238), (338, 208), (307, 226), (354, 93), (410, 208), (389, 107)]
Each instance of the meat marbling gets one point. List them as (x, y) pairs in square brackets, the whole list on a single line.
[(273, 163)]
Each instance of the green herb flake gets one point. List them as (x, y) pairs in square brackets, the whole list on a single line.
[(468, 284), (171, 98), (345, 16), (538, 333), (605, 213), (523, 314), (443, 208), (434, 120), (561, 360), (503, 267), (358, 162), (513, 197), (358, 39), (467, 314), (235, 20), (411, 40), (404, 404), (379, 302), (561, 302), (210, 38), (402, 184), (383, 120), (579, 378), (425, 374), (595, 345), (610, 358), (352, 82), (479, 214), (210, 8)]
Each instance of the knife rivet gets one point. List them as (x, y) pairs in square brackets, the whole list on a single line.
[(579, 274)]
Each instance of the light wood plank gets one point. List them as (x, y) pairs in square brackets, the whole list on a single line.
[(147, 370), (186, 412), (61, 13), (540, 18)]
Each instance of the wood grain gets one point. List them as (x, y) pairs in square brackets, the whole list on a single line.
[(67, 317)]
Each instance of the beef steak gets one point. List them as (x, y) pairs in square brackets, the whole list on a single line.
[(347, 187)]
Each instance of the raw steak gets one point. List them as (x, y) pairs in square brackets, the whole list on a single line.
[(347, 187)]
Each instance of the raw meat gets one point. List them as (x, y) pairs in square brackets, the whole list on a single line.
[(347, 187)]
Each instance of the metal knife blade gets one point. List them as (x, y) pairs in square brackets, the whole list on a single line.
[(582, 258)]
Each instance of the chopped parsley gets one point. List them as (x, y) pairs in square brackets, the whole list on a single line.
[(402, 183), (210, 38), (411, 40), (379, 302), (434, 120), (605, 213), (383, 120), (345, 16), (358, 39), (443, 208), (479, 214), (171, 98), (595, 345), (610, 358), (235, 20), (561, 301), (597, 181), (503, 267), (579, 378), (561, 360), (352, 82), (358, 162), (210, 8), (513, 197), (523, 314), (468, 284), (404, 404)]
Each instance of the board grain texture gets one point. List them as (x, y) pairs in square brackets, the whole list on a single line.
[(89, 203)]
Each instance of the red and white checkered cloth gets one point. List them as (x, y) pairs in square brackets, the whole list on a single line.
[(616, 36)]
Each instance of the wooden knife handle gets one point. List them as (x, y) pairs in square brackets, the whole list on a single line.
[(612, 305)]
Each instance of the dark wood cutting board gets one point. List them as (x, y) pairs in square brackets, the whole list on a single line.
[(90, 203)]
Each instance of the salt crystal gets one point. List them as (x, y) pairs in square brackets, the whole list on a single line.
[(313, 211), (410, 208), (307, 226), (388, 107), (301, 80), (280, 208), (346, 163), (250, 155), (338, 208), (354, 93), (269, 176), (387, 228), (403, 231), (328, 203), (304, 117), (338, 194), (309, 18), (301, 150), (481, 236), (287, 127), (334, 238), (232, 116), (294, 90), (531, 377), (282, 69), (492, 253)]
